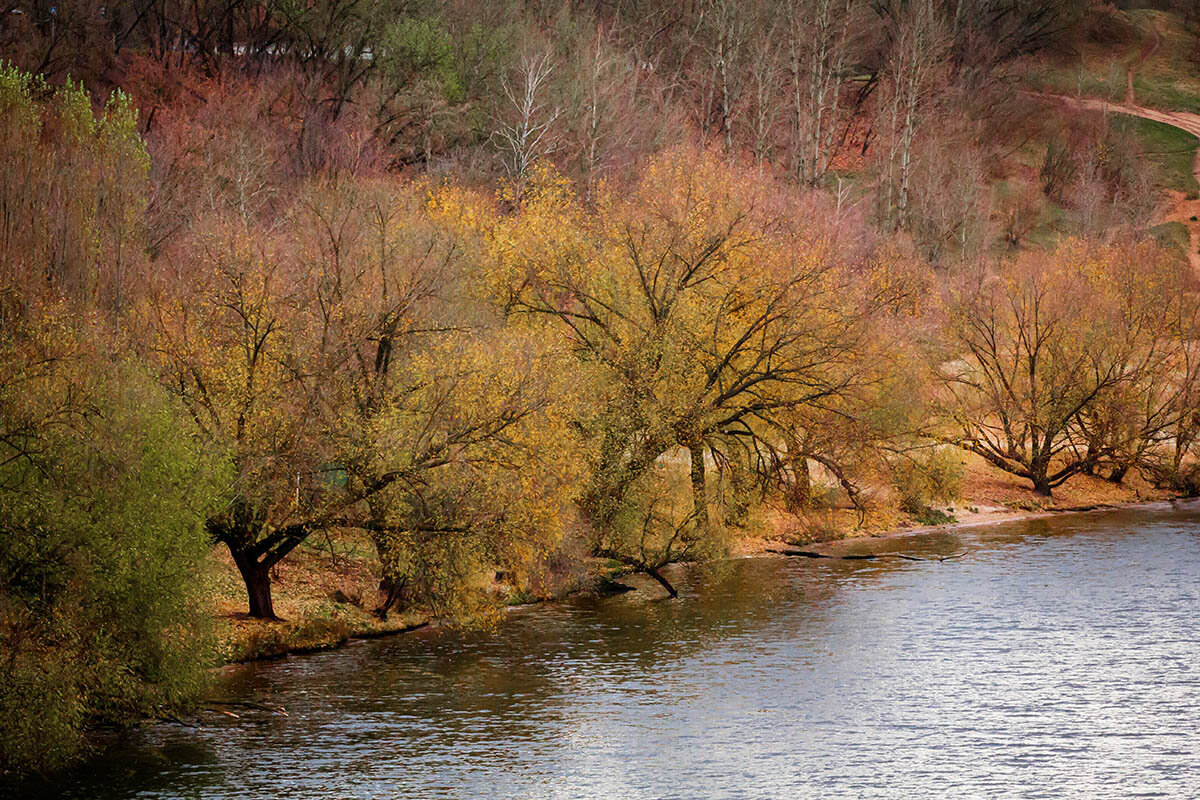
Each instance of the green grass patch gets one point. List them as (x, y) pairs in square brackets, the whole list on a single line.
[(1171, 150), (1166, 78), (1173, 236), (1104, 80), (1156, 91)]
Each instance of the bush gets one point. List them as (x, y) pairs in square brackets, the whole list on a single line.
[(101, 553), (934, 476)]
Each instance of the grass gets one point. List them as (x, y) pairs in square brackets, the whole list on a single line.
[(1173, 236), (1171, 150), (1167, 79), (1104, 81)]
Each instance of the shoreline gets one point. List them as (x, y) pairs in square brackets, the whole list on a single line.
[(981, 521), (759, 548), (986, 519)]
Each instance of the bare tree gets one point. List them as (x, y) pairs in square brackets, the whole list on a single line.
[(818, 48), (918, 46), (529, 134), (765, 75), (718, 37)]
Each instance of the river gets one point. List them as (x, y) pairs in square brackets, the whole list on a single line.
[(1059, 657)]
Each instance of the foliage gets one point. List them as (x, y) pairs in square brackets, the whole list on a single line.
[(309, 297), (925, 478), (704, 315), (101, 546), (1037, 352), (73, 189)]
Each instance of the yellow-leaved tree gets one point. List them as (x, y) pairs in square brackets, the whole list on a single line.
[(704, 314), (1056, 363), (341, 354)]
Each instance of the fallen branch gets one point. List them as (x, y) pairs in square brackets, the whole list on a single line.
[(178, 721), (245, 704), (865, 557)]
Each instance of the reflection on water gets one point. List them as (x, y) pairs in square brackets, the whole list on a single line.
[(1059, 658)]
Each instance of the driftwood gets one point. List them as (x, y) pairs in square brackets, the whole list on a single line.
[(866, 557), (178, 721), (244, 704)]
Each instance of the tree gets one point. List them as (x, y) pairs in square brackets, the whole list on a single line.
[(450, 424), (229, 342), (917, 43), (1032, 350), (342, 341), (72, 191), (527, 134), (698, 307), (101, 505), (1148, 423), (819, 42)]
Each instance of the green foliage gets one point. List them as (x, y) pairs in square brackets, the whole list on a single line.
[(934, 516), (415, 49), (932, 476), (101, 554), (1172, 236), (656, 523)]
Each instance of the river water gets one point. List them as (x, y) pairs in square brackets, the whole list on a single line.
[(1058, 658)]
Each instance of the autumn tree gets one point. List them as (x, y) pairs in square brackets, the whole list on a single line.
[(1032, 351), (698, 306), (451, 425), (1147, 424), (340, 341), (102, 610)]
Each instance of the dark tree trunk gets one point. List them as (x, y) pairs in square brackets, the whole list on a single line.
[(1039, 471), (1118, 473), (394, 590), (654, 573), (699, 488), (257, 577), (801, 493)]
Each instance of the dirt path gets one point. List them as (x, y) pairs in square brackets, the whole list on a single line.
[(1148, 48), (1180, 209)]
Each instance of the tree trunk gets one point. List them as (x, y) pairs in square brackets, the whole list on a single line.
[(394, 591), (654, 573), (1118, 473), (257, 578), (699, 488), (1041, 485), (801, 494)]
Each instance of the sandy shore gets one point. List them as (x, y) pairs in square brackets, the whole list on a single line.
[(983, 516)]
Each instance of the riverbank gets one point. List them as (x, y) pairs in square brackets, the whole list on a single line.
[(326, 591), (990, 496)]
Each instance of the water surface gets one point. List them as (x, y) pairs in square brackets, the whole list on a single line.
[(1058, 658)]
